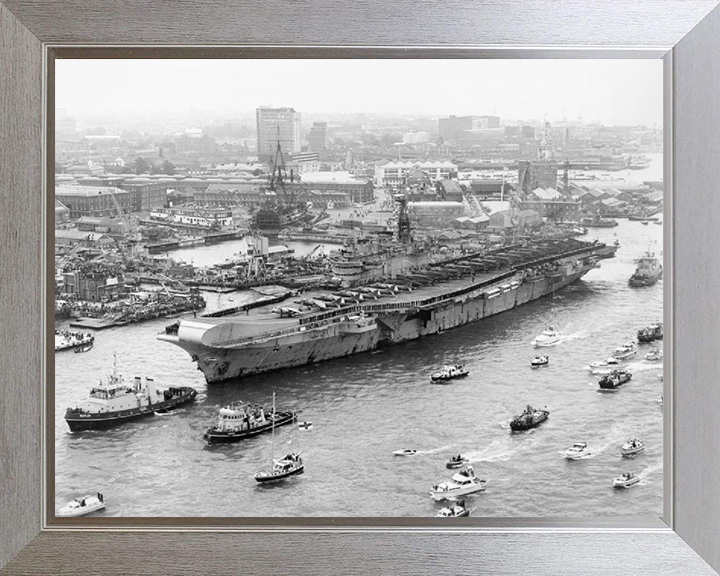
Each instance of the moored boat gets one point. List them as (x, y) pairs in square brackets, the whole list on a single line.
[(615, 379), (116, 402), (626, 480), (632, 448), (539, 361), (530, 418), (462, 483), (548, 337), (82, 506), (577, 451), (239, 420), (449, 372)]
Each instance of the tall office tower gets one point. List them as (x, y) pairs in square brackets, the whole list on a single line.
[(277, 124), (317, 138)]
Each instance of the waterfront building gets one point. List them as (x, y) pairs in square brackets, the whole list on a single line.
[(94, 200), (392, 173), (536, 174), (204, 217), (434, 214), (317, 138), (277, 125), (146, 193)]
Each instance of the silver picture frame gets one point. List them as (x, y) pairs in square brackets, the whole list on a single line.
[(685, 34)]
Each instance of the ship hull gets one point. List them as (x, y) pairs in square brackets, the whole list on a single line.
[(225, 437)]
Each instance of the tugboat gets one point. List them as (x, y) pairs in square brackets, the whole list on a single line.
[(648, 271), (449, 373), (462, 483), (405, 452), (625, 351), (605, 366), (539, 361), (632, 448), (530, 418), (615, 379), (82, 506), (239, 420), (598, 222), (626, 480), (651, 333), (577, 451), (116, 402), (65, 340), (456, 461), (548, 337), (456, 511)]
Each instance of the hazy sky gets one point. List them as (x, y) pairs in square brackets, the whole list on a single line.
[(610, 91)]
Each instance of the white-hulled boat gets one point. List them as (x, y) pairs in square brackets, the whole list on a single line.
[(654, 355), (625, 351), (289, 465), (604, 366), (577, 451), (456, 511), (463, 483), (632, 448), (539, 361), (66, 339), (405, 452), (449, 372), (82, 506), (626, 480), (548, 337)]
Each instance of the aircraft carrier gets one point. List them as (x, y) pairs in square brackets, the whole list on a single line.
[(412, 302)]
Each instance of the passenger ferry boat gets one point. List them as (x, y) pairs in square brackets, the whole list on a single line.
[(615, 379), (449, 373), (462, 483), (650, 333), (239, 420), (116, 402)]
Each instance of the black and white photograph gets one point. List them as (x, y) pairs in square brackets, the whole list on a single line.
[(358, 288)]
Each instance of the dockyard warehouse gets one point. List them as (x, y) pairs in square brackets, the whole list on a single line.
[(430, 214)]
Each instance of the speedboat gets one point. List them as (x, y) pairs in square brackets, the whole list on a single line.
[(548, 337), (405, 452), (632, 448), (539, 361), (456, 461), (654, 354), (462, 483), (577, 451), (449, 372), (605, 366), (82, 506), (625, 351), (456, 511), (626, 480)]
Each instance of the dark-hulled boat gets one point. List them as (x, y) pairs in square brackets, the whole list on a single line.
[(650, 333), (239, 420), (116, 402), (648, 271), (530, 418), (615, 379)]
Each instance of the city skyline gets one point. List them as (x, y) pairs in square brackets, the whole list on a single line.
[(612, 92)]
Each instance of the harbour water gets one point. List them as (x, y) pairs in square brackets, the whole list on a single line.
[(366, 406)]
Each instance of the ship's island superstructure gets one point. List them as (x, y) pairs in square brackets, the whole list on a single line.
[(392, 304)]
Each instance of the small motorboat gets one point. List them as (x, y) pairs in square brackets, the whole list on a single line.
[(449, 372), (654, 355), (456, 461), (626, 480), (605, 366), (462, 483), (548, 337), (632, 448), (458, 510), (85, 348), (577, 451), (287, 466), (539, 361), (615, 379), (405, 452), (625, 351), (82, 506)]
